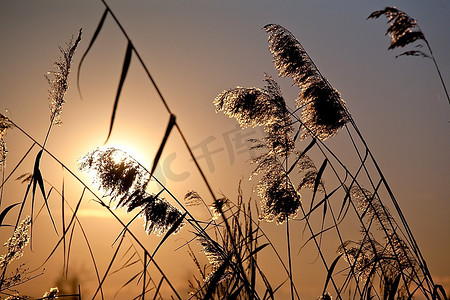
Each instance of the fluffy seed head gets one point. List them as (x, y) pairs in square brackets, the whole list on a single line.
[(58, 80), (123, 179), (323, 110)]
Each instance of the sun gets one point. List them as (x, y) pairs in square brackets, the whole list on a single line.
[(126, 149)]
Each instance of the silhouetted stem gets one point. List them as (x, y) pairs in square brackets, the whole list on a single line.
[(289, 258), (422, 262), (437, 69), (163, 101), (247, 285), (286, 269), (424, 268)]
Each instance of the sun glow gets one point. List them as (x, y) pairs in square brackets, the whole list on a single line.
[(127, 149), (126, 152)]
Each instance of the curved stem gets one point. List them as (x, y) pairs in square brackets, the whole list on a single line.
[(437, 69)]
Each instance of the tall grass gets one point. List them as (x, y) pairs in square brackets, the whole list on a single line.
[(301, 181), (405, 31)]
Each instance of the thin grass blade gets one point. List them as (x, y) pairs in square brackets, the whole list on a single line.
[(109, 267), (94, 37), (253, 241), (256, 251), (170, 125), (394, 287), (330, 273), (65, 230), (125, 67), (126, 252), (297, 134), (17, 165), (37, 178), (280, 285), (323, 201), (439, 289), (63, 221), (346, 198), (319, 176), (171, 230), (90, 253), (5, 212), (128, 260), (22, 206), (236, 293), (126, 227), (43, 204), (317, 181), (126, 265), (369, 294), (70, 246), (145, 274), (318, 233), (126, 283), (269, 289), (158, 288), (301, 155), (212, 284)]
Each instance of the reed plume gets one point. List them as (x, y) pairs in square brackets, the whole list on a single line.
[(391, 261), (370, 205), (279, 199), (218, 206), (116, 173), (278, 132), (218, 257), (266, 107), (16, 244), (309, 174), (15, 278), (3, 154), (404, 31), (253, 107), (192, 198), (58, 80), (123, 179), (5, 124), (323, 110)]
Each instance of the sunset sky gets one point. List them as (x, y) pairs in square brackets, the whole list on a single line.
[(195, 50)]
